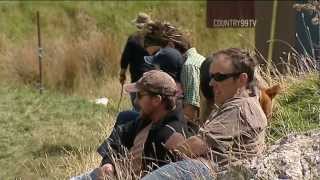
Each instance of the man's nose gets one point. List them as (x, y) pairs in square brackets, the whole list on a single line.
[(212, 83)]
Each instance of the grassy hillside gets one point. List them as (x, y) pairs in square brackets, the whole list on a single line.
[(83, 40), (69, 18), (55, 135)]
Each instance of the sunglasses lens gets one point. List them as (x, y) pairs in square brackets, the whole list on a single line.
[(219, 77), (140, 95)]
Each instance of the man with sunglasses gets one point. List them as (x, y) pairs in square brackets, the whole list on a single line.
[(235, 129), (147, 141)]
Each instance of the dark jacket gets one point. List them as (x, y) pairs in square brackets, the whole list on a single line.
[(155, 154), (133, 55)]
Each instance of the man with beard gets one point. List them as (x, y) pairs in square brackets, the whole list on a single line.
[(148, 140)]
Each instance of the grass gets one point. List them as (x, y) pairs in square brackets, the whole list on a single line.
[(40, 130), (298, 108), (83, 41), (54, 136), (62, 19)]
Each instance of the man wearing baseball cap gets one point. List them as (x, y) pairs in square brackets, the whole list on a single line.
[(150, 139), (158, 42)]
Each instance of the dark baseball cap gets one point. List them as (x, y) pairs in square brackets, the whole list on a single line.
[(168, 60), (154, 81)]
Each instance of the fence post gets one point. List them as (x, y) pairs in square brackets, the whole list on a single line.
[(40, 50)]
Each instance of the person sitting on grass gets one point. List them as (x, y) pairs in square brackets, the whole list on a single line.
[(235, 129), (148, 140)]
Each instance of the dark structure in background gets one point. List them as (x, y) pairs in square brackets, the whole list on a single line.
[(309, 38), (284, 30), (289, 27), (230, 10)]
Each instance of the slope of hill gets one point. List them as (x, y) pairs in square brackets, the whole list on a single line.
[(82, 41)]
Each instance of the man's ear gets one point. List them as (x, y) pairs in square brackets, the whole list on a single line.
[(157, 99), (243, 78)]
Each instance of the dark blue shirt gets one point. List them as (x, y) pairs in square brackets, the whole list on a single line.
[(133, 55)]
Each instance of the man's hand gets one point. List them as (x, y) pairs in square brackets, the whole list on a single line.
[(122, 77), (107, 169), (190, 112), (194, 146)]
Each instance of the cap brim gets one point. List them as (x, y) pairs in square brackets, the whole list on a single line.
[(148, 59), (131, 88)]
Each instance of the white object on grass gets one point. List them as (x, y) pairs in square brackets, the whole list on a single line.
[(103, 101)]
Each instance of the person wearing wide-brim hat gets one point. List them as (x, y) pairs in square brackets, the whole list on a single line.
[(133, 54), (141, 20)]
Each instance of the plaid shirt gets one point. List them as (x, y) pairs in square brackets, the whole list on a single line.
[(235, 130), (190, 77)]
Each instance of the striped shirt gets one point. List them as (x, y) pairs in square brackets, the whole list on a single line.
[(190, 77)]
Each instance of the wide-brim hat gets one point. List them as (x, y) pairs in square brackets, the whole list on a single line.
[(141, 20)]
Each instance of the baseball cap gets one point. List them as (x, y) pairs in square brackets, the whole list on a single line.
[(154, 81), (168, 60)]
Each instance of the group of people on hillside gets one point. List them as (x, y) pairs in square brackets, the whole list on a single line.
[(167, 134)]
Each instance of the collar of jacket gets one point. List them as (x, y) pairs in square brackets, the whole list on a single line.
[(171, 116)]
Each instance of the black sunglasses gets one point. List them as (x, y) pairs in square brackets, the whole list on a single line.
[(221, 77), (140, 95)]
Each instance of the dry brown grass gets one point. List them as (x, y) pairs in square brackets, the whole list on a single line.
[(74, 63), (68, 64)]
